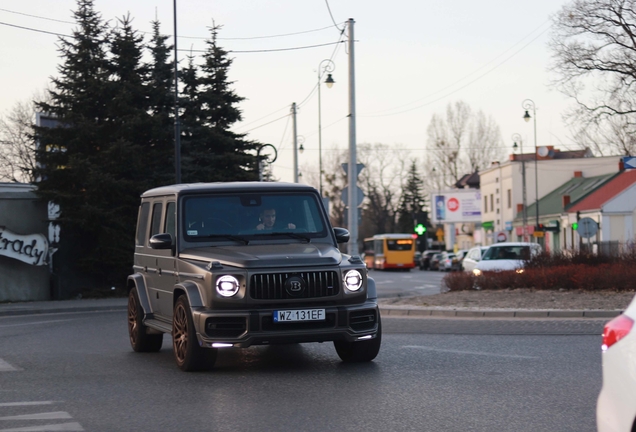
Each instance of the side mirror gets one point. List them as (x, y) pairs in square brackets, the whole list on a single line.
[(342, 235), (161, 241)]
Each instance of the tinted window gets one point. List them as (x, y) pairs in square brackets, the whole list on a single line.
[(155, 228), (207, 216), (142, 223), (507, 253), (170, 226)]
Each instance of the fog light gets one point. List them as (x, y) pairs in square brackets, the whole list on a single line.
[(353, 280), (227, 286), (367, 337), (222, 345)]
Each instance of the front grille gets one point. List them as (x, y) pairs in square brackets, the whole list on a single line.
[(225, 327), (271, 286), (362, 320)]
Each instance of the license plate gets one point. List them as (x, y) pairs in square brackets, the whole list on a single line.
[(299, 315)]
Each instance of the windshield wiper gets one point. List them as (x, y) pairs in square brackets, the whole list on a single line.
[(307, 239), (227, 236)]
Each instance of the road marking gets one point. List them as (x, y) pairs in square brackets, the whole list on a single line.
[(6, 367), (74, 426), (10, 404), (37, 322), (469, 352), (55, 415)]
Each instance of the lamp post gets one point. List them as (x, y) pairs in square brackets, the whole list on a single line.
[(527, 105), (326, 66), (260, 161), (516, 137), (177, 125)]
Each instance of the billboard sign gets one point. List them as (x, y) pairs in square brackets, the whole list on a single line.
[(459, 206)]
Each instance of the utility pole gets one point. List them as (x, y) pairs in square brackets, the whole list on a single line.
[(352, 168), (177, 126), (293, 110)]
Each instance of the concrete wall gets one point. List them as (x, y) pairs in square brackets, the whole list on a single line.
[(21, 212)]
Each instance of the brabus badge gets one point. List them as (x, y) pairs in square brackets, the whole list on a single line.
[(294, 286)]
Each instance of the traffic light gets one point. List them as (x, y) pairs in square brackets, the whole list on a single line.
[(420, 229)]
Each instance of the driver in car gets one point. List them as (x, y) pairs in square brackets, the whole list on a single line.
[(267, 220)]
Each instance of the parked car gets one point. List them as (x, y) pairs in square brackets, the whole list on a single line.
[(616, 405), (416, 258), (446, 261), (459, 257), (425, 259), (231, 265), (506, 256), (434, 264), (473, 256)]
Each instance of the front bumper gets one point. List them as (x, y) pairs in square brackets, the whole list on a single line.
[(243, 328)]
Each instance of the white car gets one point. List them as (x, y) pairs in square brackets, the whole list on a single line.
[(473, 256), (506, 256), (616, 406)]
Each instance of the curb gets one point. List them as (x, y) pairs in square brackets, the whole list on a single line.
[(496, 313), (40, 311)]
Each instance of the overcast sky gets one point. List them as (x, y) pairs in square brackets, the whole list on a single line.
[(412, 58)]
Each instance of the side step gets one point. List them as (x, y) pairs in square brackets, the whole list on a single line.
[(162, 326)]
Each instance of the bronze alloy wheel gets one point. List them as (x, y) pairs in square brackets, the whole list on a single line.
[(180, 333), (189, 355), (140, 338), (132, 319)]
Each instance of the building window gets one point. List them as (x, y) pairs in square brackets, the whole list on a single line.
[(509, 198), (485, 204), (497, 213), (492, 202)]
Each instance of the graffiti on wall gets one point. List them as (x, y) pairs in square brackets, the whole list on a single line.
[(31, 248)]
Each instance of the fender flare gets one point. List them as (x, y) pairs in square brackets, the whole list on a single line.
[(371, 291), (137, 280), (191, 290)]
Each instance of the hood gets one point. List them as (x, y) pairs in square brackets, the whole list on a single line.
[(270, 255), (498, 265)]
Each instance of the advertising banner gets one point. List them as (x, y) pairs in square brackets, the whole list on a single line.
[(457, 206), (31, 248)]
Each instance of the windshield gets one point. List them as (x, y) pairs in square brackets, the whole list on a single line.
[(507, 253), (250, 216)]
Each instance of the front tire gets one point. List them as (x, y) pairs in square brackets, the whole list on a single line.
[(187, 352), (140, 340), (359, 352)]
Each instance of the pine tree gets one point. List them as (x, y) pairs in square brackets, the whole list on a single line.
[(161, 102), (211, 151), (412, 202)]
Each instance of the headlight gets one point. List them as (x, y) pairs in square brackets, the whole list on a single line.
[(477, 272), (227, 286), (519, 271), (353, 280)]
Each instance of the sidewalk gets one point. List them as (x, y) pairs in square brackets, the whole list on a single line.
[(120, 304)]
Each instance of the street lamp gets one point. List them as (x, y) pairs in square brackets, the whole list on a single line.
[(260, 161), (326, 66), (527, 105), (516, 137)]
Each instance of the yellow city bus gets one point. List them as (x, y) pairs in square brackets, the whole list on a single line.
[(389, 251)]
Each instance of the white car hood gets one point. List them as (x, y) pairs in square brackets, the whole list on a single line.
[(498, 265)]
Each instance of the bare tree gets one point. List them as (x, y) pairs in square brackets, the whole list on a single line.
[(17, 146), (594, 60), (484, 142), (462, 143)]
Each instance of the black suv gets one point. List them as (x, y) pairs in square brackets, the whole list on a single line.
[(224, 265)]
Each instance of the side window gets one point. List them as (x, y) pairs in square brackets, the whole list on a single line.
[(170, 226), (142, 223), (156, 219)]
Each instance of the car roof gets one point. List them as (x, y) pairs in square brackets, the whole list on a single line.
[(237, 187), (515, 244)]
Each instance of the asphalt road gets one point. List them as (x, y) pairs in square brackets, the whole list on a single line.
[(76, 371), (392, 283)]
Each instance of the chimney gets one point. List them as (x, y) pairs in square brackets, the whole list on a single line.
[(578, 174), (621, 165), (519, 208), (566, 200)]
